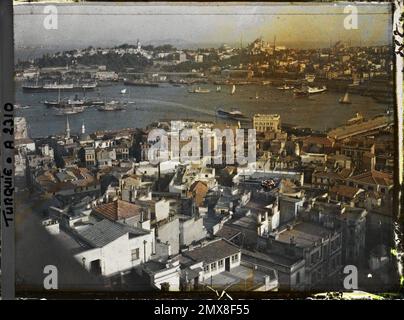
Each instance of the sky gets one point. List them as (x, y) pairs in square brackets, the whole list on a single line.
[(193, 25)]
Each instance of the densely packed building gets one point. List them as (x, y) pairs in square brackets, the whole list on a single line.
[(308, 206)]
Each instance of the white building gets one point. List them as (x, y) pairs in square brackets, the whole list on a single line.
[(113, 247)]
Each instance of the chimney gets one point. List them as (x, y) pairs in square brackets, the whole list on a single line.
[(266, 281), (292, 240)]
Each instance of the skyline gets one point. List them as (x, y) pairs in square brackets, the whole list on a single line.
[(201, 28)]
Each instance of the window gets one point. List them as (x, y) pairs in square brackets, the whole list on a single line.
[(135, 254), (213, 266), (234, 258), (315, 257), (206, 269), (298, 278), (220, 264)]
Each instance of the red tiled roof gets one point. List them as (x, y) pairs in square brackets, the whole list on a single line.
[(117, 210), (374, 177), (345, 191)]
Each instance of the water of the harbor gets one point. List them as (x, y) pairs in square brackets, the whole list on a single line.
[(148, 104)]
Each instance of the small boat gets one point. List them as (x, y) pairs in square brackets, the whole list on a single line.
[(345, 99), (19, 106), (237, 114), (300, 93), (233, 89), (199, 90), (218, 88), (123, 91), (265, 82), (285, 87), (315, 90), (356, 119), (233, 115), (112, 106), (70, 111)]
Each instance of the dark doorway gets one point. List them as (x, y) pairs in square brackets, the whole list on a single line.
[(227, 264), (95, 267)]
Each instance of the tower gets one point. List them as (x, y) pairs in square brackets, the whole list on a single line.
[(67, 128)]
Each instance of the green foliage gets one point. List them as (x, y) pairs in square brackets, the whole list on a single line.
[(111, 60)]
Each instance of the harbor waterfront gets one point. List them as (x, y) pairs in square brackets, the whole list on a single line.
[(249, 164), (145, 105)]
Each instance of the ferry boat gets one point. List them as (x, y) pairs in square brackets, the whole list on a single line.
[(31, 87), (57, 87), (345, 99), (63, 103), (88, 86)]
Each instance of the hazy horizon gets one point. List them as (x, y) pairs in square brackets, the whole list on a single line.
[(191, 25)]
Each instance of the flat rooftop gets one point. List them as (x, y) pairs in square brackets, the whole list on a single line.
[(304, 234), (239, 278)]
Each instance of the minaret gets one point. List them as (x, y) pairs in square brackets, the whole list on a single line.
[(83, 128), (67, 128)]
